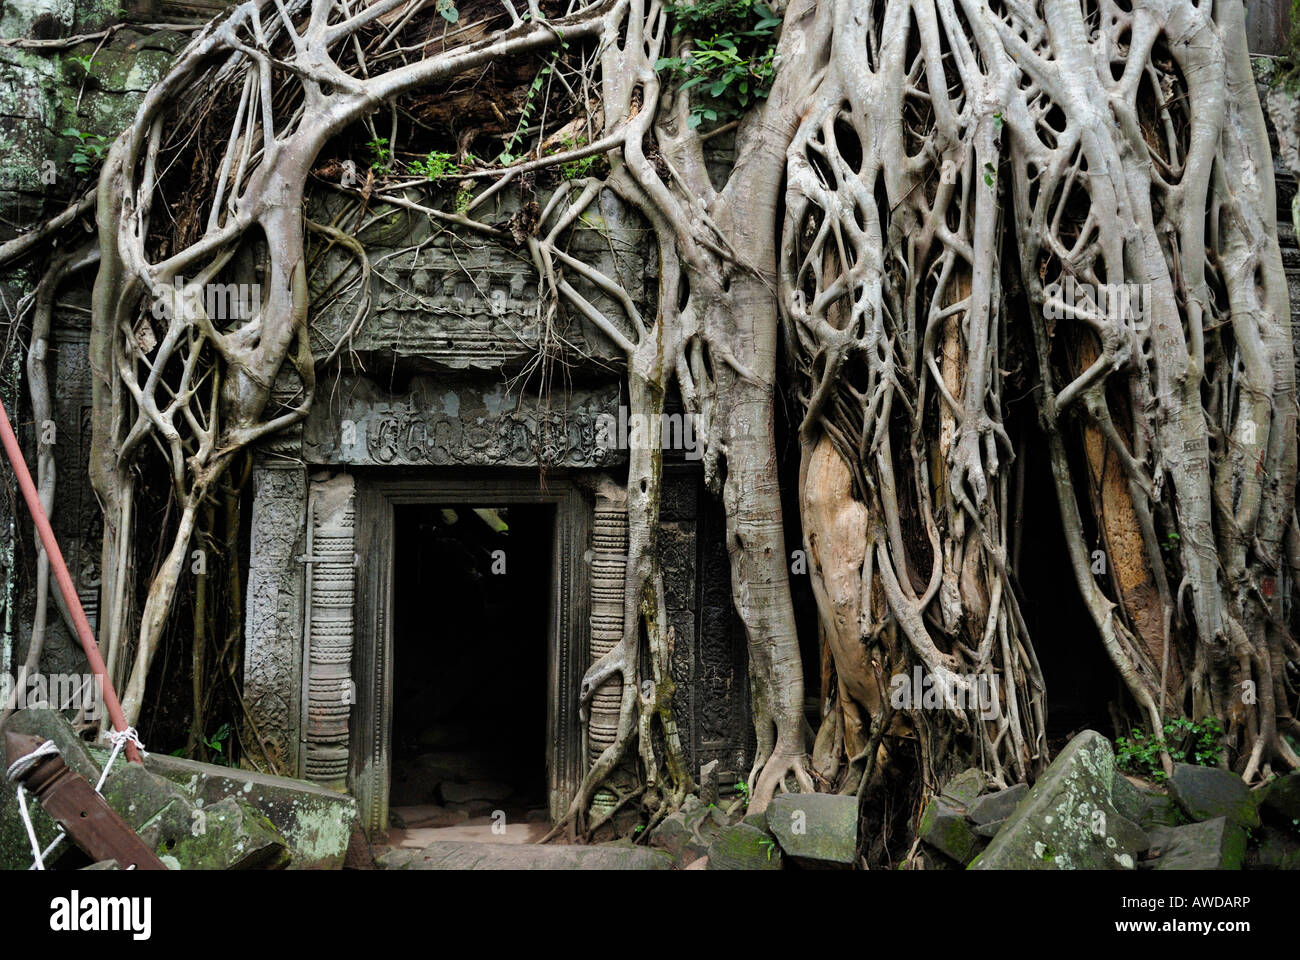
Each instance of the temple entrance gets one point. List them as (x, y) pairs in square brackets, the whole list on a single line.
[(471, 596), (466, 679)]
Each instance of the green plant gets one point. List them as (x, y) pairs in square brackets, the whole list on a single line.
[(463, 197), (1172, 539), (768, 844), (579, 168), (447, 8), (507, 155), (89, 151), (216, 743), (435, 165), (731, 58), (381, 155), (83, 62), (1185, 741), (742, 788)]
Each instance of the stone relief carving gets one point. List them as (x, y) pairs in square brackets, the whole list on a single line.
[(437, 422), (456, 304), (273, 608)]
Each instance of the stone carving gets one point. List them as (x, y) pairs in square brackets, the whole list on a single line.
[(273, 616), (331, 561), (464, 306), (437, 422), (608, 570)]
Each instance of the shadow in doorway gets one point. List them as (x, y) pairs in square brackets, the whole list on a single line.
[(472, 588)]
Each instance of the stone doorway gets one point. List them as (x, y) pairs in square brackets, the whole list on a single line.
[(471, 596), (398, 515)]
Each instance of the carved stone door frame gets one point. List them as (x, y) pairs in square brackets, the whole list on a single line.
[(378, 494)]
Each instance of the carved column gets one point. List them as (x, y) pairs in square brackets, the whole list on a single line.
[(608, 569), (273, 609), (331, 564)]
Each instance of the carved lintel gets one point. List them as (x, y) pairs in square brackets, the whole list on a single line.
[(440, 422)]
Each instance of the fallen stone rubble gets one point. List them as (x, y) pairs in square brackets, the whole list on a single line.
[(196, 816)]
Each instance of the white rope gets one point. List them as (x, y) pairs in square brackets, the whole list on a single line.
[(39, 862), (119, 739), (25, 763), (14, 772)]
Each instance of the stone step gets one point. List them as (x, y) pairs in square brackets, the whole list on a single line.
[(468, 855)]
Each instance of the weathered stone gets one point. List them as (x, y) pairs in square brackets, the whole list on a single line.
[(1218, 844), (1128, 799), (989, 829), (944, 827), (686, 834), (103, 865), (1068, 821), (1161, 811), (469, 855), (1278, 848), (709, 783), (927, 859), (395, 858), (154, 807), (1283, 797), (314, 821), (742, 847), (756, 819), (815, 829), (1204, 793), (997, 806), (227, 835), (231, 835), (52, 725), (965, 787)]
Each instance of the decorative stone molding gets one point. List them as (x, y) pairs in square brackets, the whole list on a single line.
[(330, 628), (608, 573), (437, 422)]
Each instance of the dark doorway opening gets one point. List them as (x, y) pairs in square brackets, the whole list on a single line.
[(472, 594), (1081, 683)]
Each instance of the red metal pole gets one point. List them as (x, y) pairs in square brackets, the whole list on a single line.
[(60, 569)]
